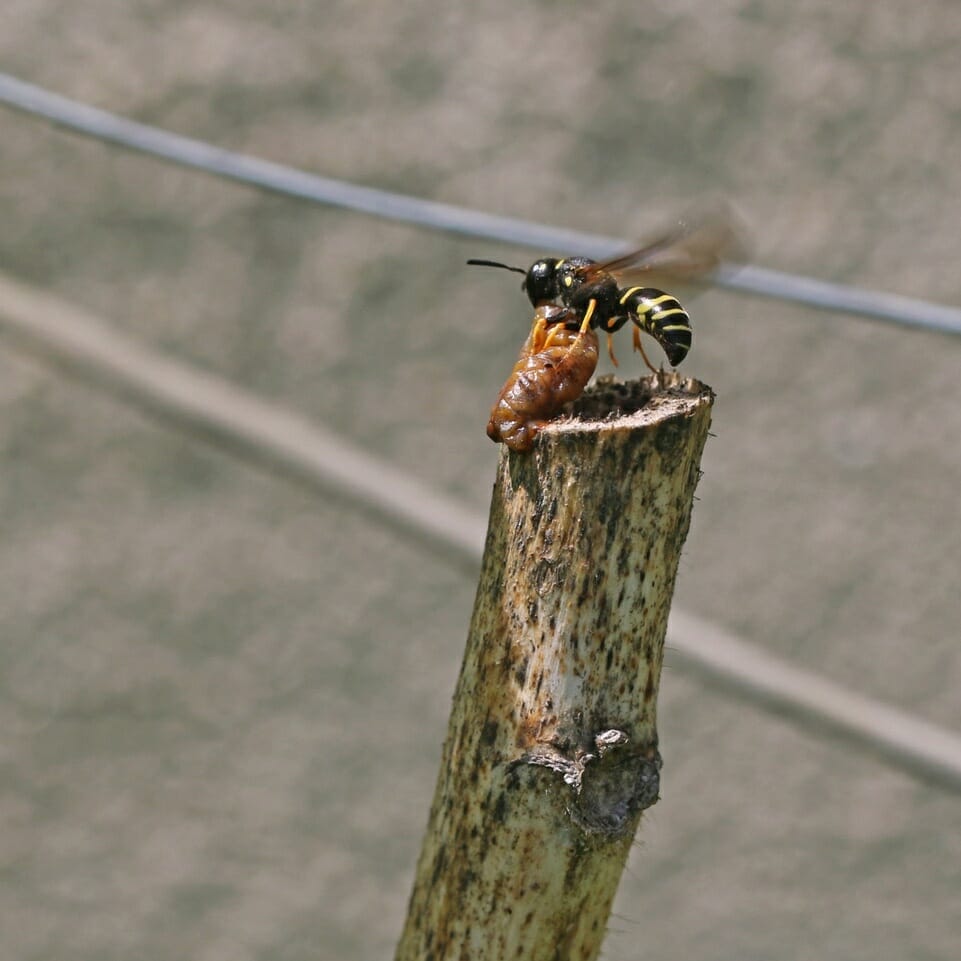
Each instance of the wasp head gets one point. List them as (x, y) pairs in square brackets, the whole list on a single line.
[(540, 283)]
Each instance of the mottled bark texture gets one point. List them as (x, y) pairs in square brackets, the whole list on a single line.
[(551, 753)]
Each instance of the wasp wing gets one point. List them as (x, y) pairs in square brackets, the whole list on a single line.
[(693, 249)]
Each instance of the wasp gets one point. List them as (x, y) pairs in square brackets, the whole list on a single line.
[(587, 296)]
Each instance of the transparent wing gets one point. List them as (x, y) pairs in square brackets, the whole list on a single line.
[(692, 249)]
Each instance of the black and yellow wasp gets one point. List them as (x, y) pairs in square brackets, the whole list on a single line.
[(606, 295)]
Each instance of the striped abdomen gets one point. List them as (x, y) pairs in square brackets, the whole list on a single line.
[(661, 316)]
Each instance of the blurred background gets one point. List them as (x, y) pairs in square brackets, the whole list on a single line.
[(224, 693)]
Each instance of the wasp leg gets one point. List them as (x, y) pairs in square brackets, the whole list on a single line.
[(639, 346), (610, 349), (586, 322), (549, 339), (578, 355), (537, 337), (585, 326), (611, 322)]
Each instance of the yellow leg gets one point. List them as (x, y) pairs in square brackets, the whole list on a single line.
[(586, 323), (549, 339), (639, 346), (537, 334), (610, 349)]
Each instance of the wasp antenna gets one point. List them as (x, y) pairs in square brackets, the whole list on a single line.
[(494, 263)]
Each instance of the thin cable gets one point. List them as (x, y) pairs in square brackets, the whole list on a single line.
[(901, 739), (198, 155), (215, 409), (287, 443)]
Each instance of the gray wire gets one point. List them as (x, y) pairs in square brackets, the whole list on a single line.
[(196, 154), (816, 703), (285, 442)]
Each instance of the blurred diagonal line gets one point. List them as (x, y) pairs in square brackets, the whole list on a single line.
[(902, 739), (196, 154), (285, 442), (213, 407)]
